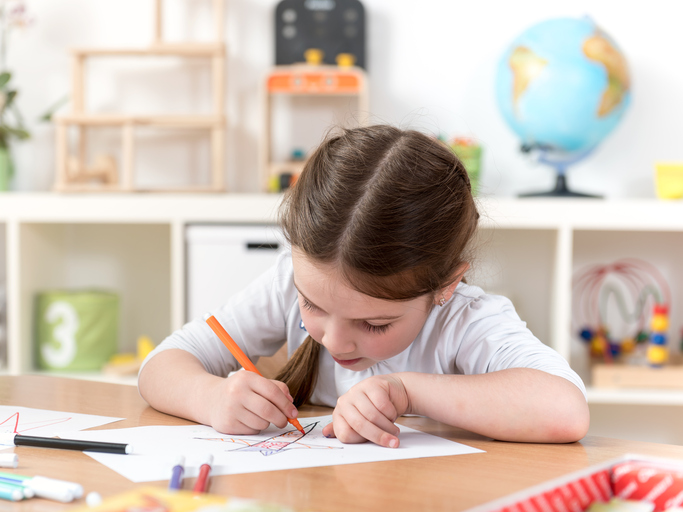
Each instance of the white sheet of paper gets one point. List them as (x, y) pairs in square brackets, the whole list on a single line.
[(46, 423), (156, 449)]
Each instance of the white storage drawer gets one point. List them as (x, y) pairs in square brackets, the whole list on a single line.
[(224, 259)]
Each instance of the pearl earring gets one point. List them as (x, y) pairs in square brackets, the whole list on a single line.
[(442, 301)]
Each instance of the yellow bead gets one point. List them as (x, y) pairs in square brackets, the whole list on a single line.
[(627, 345), (657, 354), (659, 323), (597, 346)]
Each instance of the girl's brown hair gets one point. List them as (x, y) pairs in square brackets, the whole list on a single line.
[(392, 209)]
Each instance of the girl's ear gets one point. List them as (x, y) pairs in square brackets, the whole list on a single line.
[(446, 293)]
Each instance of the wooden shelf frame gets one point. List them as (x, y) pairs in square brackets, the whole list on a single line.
[(155, 50), (169, 121), (72, 172)]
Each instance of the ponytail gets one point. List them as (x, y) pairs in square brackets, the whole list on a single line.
[(301, 371)]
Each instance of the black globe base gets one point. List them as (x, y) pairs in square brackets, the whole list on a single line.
[(560, 190)]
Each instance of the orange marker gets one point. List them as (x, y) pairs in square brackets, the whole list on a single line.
[(241, 357)]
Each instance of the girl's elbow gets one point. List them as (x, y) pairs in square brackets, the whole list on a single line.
[(573, 425)]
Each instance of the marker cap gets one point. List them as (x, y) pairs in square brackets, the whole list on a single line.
[(76, 489), (7, 438), (50, 489), (9, 460)]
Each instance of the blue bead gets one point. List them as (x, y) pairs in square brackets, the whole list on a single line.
[(658, 339)]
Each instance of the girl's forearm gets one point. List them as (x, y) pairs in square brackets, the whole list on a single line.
[(518, 404), (175, 382)]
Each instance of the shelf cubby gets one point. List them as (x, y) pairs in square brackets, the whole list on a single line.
[(519, 264), (131, 260)]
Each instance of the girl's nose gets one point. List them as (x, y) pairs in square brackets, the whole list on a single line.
[(336, 339)]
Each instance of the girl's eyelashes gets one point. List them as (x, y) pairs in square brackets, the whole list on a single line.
[(376, 329), (307, 304)]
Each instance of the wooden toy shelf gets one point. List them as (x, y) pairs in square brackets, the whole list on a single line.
[(625, 376), (307, 80), (76, 174)]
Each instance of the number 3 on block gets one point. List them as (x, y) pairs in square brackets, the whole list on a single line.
[(64, 333)]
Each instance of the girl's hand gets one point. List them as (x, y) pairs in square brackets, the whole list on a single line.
[(246, 403), (367, 412)]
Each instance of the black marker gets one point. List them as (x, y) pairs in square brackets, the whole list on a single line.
[(65, 444)]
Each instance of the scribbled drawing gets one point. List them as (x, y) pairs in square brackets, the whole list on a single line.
[(289, 440), (13, 425)]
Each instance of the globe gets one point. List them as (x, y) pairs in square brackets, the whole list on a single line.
[(562, 86)]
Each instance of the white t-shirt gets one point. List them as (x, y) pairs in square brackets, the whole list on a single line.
[(473, 333)]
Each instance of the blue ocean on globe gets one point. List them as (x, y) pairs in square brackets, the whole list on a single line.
[(563, 85)]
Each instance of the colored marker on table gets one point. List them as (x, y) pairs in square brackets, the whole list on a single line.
[(65, 444), (203, 479), (11, 492), (241, 357), (177, 474), (26, 491), (43, 487)]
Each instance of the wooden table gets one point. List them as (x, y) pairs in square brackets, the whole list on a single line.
[(437, 483)]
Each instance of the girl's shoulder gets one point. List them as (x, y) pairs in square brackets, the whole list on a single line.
[(471, 300)]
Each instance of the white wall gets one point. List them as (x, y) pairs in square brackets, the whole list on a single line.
[(431, 63)]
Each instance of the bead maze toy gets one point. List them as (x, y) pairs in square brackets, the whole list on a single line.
[(621, 311), (631, 290), (74, 174)]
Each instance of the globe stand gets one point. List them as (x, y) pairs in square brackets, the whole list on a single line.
[(560, 190), (560, 166)]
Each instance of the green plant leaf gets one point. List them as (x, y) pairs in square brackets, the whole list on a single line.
[(19, 133), (9, 98), (6, 132), (4, 78), (47, 116)]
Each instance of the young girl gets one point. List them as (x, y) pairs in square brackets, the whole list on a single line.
[(375, 313)]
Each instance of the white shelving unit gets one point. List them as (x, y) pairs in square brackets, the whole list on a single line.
[(135, 244)]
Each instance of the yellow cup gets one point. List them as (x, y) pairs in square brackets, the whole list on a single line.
[(669, 180)]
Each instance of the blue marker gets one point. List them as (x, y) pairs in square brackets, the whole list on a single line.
[(177, 474)]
